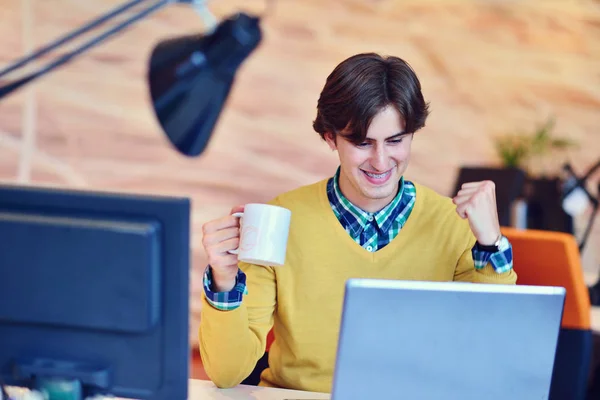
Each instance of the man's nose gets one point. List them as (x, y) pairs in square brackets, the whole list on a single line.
[(380, 158)]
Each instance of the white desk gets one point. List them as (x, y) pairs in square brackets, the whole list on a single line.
[(206, 390)]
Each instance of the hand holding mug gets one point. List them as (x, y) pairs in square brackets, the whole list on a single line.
[(220, 236), (255, 234)]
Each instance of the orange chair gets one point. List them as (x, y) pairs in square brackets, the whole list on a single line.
[(261, 364), (548, 258), (270, 339)]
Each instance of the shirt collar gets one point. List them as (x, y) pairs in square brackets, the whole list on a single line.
[(345, 209)]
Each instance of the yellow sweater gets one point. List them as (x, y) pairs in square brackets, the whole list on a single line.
[(302, 300)]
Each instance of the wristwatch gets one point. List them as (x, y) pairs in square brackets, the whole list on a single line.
[(500, 244)]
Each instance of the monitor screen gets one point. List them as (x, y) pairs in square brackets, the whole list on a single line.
[(94, 288)]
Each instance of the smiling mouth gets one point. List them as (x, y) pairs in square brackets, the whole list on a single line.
[(378, 178)]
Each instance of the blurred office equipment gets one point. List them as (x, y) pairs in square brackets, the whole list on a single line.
[(95, 292), (549, 258), (189, 78), (544, 205), (576, 198)]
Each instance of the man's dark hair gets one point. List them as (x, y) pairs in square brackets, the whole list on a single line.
[(361, 86)]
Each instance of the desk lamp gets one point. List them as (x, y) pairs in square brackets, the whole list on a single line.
[(189, 77)]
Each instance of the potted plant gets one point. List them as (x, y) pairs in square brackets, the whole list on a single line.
[(533, 152), (537, 153)]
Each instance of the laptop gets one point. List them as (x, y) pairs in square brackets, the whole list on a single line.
[(446, 340)]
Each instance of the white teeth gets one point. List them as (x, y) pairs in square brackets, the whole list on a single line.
[(376, 176)]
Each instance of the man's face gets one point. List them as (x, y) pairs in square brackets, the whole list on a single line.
[(370, 171)]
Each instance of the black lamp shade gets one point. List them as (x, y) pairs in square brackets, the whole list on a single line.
[(190, 78)]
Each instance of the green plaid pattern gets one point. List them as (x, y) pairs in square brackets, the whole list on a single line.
[(225, 301), (502, 260)]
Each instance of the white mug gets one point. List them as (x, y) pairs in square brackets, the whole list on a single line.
[(264, 233)]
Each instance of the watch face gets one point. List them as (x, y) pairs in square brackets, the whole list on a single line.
[(503, 243)]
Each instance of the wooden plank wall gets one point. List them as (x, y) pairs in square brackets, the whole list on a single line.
[(487, 67)]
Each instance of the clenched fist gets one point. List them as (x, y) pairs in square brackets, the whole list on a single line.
[(476, 201)]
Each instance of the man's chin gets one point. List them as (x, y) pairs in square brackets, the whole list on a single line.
[(381, 192)]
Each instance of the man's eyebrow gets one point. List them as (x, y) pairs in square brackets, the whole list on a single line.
[(396, 136)]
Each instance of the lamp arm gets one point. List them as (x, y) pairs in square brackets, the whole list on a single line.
[(588, 228), (14, 85), (575, 182), (594, 201), (70, 36), (591, 171)]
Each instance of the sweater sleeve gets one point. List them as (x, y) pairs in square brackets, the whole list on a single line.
[(231, 342)]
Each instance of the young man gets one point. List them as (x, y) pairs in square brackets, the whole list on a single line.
[(365, 221)]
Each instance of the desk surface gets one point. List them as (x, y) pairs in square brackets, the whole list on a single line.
[(206, 390)]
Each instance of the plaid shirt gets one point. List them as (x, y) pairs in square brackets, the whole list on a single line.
[(373, 231)]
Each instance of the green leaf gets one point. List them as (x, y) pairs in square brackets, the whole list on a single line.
[(562, 144), (518, 150)]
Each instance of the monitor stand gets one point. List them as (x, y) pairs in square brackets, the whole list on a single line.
[(63, 379)]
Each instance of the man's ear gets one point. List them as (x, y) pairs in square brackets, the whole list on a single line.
[(330, 139)]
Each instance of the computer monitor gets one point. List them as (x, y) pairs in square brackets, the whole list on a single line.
[(94, 289)]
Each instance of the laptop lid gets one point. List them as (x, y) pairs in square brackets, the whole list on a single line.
[(446, 340)]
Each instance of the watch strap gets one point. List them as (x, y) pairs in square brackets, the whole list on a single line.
[(491, 248)]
